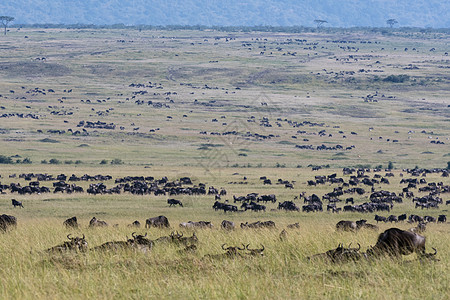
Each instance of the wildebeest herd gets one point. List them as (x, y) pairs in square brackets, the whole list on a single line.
[(392, 242)]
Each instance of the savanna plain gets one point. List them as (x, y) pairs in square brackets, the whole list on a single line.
[(222, 109)]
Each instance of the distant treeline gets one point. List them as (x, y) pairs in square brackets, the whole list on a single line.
[(285, 29)]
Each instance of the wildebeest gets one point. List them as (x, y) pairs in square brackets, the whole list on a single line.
[(346, 226), (228, 225), (442, 218), (173, 202), (160, 221), (74, 243), (71, 222), (293, 226), (402, 218), (362, 224), (94, 222), (396, 242), (255, 252), (16, 203), (340, 254), (135, 224), (380, 218), (259, 224), (7, 221), (420, 228), (199, 224), (187, 240)]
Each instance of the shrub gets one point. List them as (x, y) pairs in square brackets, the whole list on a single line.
[(6, 160), (397, 78), (54, 161), (390, 165), (117, 161)]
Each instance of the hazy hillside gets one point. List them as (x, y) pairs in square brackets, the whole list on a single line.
[(343, 13)]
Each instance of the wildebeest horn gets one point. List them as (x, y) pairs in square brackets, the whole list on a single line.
[(145, 234), (178, 235), (242, 248), (133, 235), (435, 251), (224, 248), (262, 248), (83, 236), (349, 245), (359, 247), (68, 236)]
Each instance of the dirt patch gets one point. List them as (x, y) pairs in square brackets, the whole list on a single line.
[(33, 69)]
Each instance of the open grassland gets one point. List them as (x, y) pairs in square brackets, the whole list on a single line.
[(283, 271), (217, 107)]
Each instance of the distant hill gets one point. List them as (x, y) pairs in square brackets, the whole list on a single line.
[(338, 13)]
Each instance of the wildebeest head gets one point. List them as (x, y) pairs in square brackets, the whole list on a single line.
[(232, 251), (74, 243), (94, 222), (255, 252)]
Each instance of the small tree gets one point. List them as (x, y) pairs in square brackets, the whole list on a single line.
[(390, 165), (320, 23), (391, 22), (5, 20)]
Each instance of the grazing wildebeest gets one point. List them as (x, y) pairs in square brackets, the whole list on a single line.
[(429, 219), (228, 225), (173, 202), (396, 242), (362, 224), (135, 224), (7, 221), (160, 221), (74, 243), (392, 218), (187, 240), (16, 203), (346, 226), (380, 218), (94, 222), (71, 222), (402, 218), (442, 218)]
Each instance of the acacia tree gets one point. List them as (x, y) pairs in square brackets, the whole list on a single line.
[(391, 22), (5, 20), (320, 23)]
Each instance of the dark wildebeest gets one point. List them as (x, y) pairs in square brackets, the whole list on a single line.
[(228, 225), (442, 218), (160, 221), (392, 218), (173, 202), (7, 221), (16, 203), (346, 226), (380, 218), (402, 217), (135, 224), (396, 242), (94, 222), (71, 222), (74, 243)]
